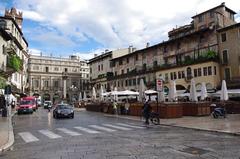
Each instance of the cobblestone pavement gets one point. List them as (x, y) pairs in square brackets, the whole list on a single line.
[(93, 136)]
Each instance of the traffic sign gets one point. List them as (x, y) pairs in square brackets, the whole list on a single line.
[(159, 83)]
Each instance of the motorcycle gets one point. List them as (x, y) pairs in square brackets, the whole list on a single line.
[(218, 112)]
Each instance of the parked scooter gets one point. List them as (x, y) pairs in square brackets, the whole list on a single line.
[(218, 111)]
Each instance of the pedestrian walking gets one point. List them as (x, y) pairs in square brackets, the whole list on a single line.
[(127, 105), (115, 107), (146, 112)]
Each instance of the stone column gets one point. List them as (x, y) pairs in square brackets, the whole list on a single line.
[(64, 88)]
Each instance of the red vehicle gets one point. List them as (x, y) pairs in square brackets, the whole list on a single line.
[(27, 105)]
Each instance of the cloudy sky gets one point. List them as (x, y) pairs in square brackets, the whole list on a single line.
[(64, 27)]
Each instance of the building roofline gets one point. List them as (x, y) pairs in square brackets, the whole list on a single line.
[(100, 57), (221, 5), (229, 27), (161, 44)]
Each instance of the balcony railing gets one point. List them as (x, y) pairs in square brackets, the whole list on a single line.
[(10, 49)]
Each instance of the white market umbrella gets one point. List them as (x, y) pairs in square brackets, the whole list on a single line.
[(172, 91), (161, 97), (142, 89), (94, 96), (115, 94), (101, 94), (84, 96), (203, 91), (80, 97), (193, 91), (224, 91)]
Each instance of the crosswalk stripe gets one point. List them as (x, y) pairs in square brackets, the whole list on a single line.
[(87, 130), (28, 137), (102, 128), (131, 126), (69, 132), (116, 127), (49, 134)]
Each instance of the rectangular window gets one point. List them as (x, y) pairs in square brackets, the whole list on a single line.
[(120, 62), (171, 75), (126, 82), (46, 69), (183, 74), (165, 49), (199, 72), (209, 70), (98, 67), (45, 83), (56, 84), (215, 70), (65, 69), (122, 72), (200, 18), (205, 71), (211, 14), (174, 75), (134, 82), (130, 82), (224, 37), (166, 76), (127, 70), (227, 74), (195, 72), (179, 74), (115, 73), (136, 57), (225, 57), (102, 66), (127, 60), (118, 84), (36, 83)]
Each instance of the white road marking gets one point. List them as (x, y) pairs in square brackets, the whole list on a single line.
[(116, 127), (131, 126), (69, 132), (28, 137), (87, 130), (49, 134), (102, 128)]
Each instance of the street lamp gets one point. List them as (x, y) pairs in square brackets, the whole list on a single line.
[(64, 77)]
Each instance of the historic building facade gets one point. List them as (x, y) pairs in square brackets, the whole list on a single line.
[(13, 51), (101, 68), (46, 75), (192, 51)]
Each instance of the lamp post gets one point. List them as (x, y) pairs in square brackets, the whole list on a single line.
[(64, 76)]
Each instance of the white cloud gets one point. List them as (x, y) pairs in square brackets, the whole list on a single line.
[(34, 51), (113, 23)]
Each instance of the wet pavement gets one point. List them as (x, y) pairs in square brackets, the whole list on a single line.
[(95, 136)]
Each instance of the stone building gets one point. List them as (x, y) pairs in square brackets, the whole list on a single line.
[(46, 77), (101, 68), (13, 51), (192, 51), (229, 50)]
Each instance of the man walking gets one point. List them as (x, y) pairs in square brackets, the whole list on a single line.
[(146, 112)]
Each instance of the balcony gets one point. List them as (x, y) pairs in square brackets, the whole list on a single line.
[(14, 63), (10, 48)]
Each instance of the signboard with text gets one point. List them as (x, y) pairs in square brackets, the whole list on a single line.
[(159, 83)]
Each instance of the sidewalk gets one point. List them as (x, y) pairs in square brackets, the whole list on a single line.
[(6, 133), (230, 125)]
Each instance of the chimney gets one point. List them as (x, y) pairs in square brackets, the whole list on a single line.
[(147, 45), (130, 49), (95, 55)]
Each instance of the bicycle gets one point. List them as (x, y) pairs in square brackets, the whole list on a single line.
[(154, 118)]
